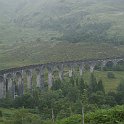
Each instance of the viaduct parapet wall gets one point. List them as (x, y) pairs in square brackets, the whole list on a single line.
[(12, 80)]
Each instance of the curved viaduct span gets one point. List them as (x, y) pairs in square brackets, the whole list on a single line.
[(14, 77)]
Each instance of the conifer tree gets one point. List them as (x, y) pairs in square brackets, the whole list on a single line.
[(81, 85), (72, 81), (77, 82), (92, 84), (100, 86), (56, 85)]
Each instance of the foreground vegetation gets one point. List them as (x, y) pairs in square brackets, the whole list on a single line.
[(63, 104), (101, 116), (25, 116)]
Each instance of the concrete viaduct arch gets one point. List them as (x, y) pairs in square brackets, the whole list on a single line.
[(12, 77)]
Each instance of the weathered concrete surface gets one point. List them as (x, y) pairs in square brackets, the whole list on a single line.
[(9, 76)]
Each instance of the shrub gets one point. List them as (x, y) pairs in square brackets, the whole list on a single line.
[(1, 115), (102, 116), (110, 75), (75, 119), (22, 116)]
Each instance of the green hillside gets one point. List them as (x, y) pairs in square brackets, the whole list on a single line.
[(37, 52), (67, 20), (33, 32)]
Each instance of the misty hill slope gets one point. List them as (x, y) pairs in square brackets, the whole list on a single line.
[(21, 54), (65, 20), (35, 31)]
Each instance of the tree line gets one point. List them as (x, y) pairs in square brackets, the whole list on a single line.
[(67, 98)]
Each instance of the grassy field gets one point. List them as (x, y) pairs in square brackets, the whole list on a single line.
[(9, 114), (21, 54), (109, 84)]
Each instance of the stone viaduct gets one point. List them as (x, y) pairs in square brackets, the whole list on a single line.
[(13, 78)]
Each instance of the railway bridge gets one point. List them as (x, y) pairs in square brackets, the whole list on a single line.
[(12, 80)]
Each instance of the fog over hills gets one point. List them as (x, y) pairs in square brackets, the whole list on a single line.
[(63, 20), (40, 31)]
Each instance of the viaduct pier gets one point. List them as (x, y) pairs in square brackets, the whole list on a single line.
[(14, 77)]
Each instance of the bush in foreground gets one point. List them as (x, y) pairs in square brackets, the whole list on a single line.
[(110, 116)]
